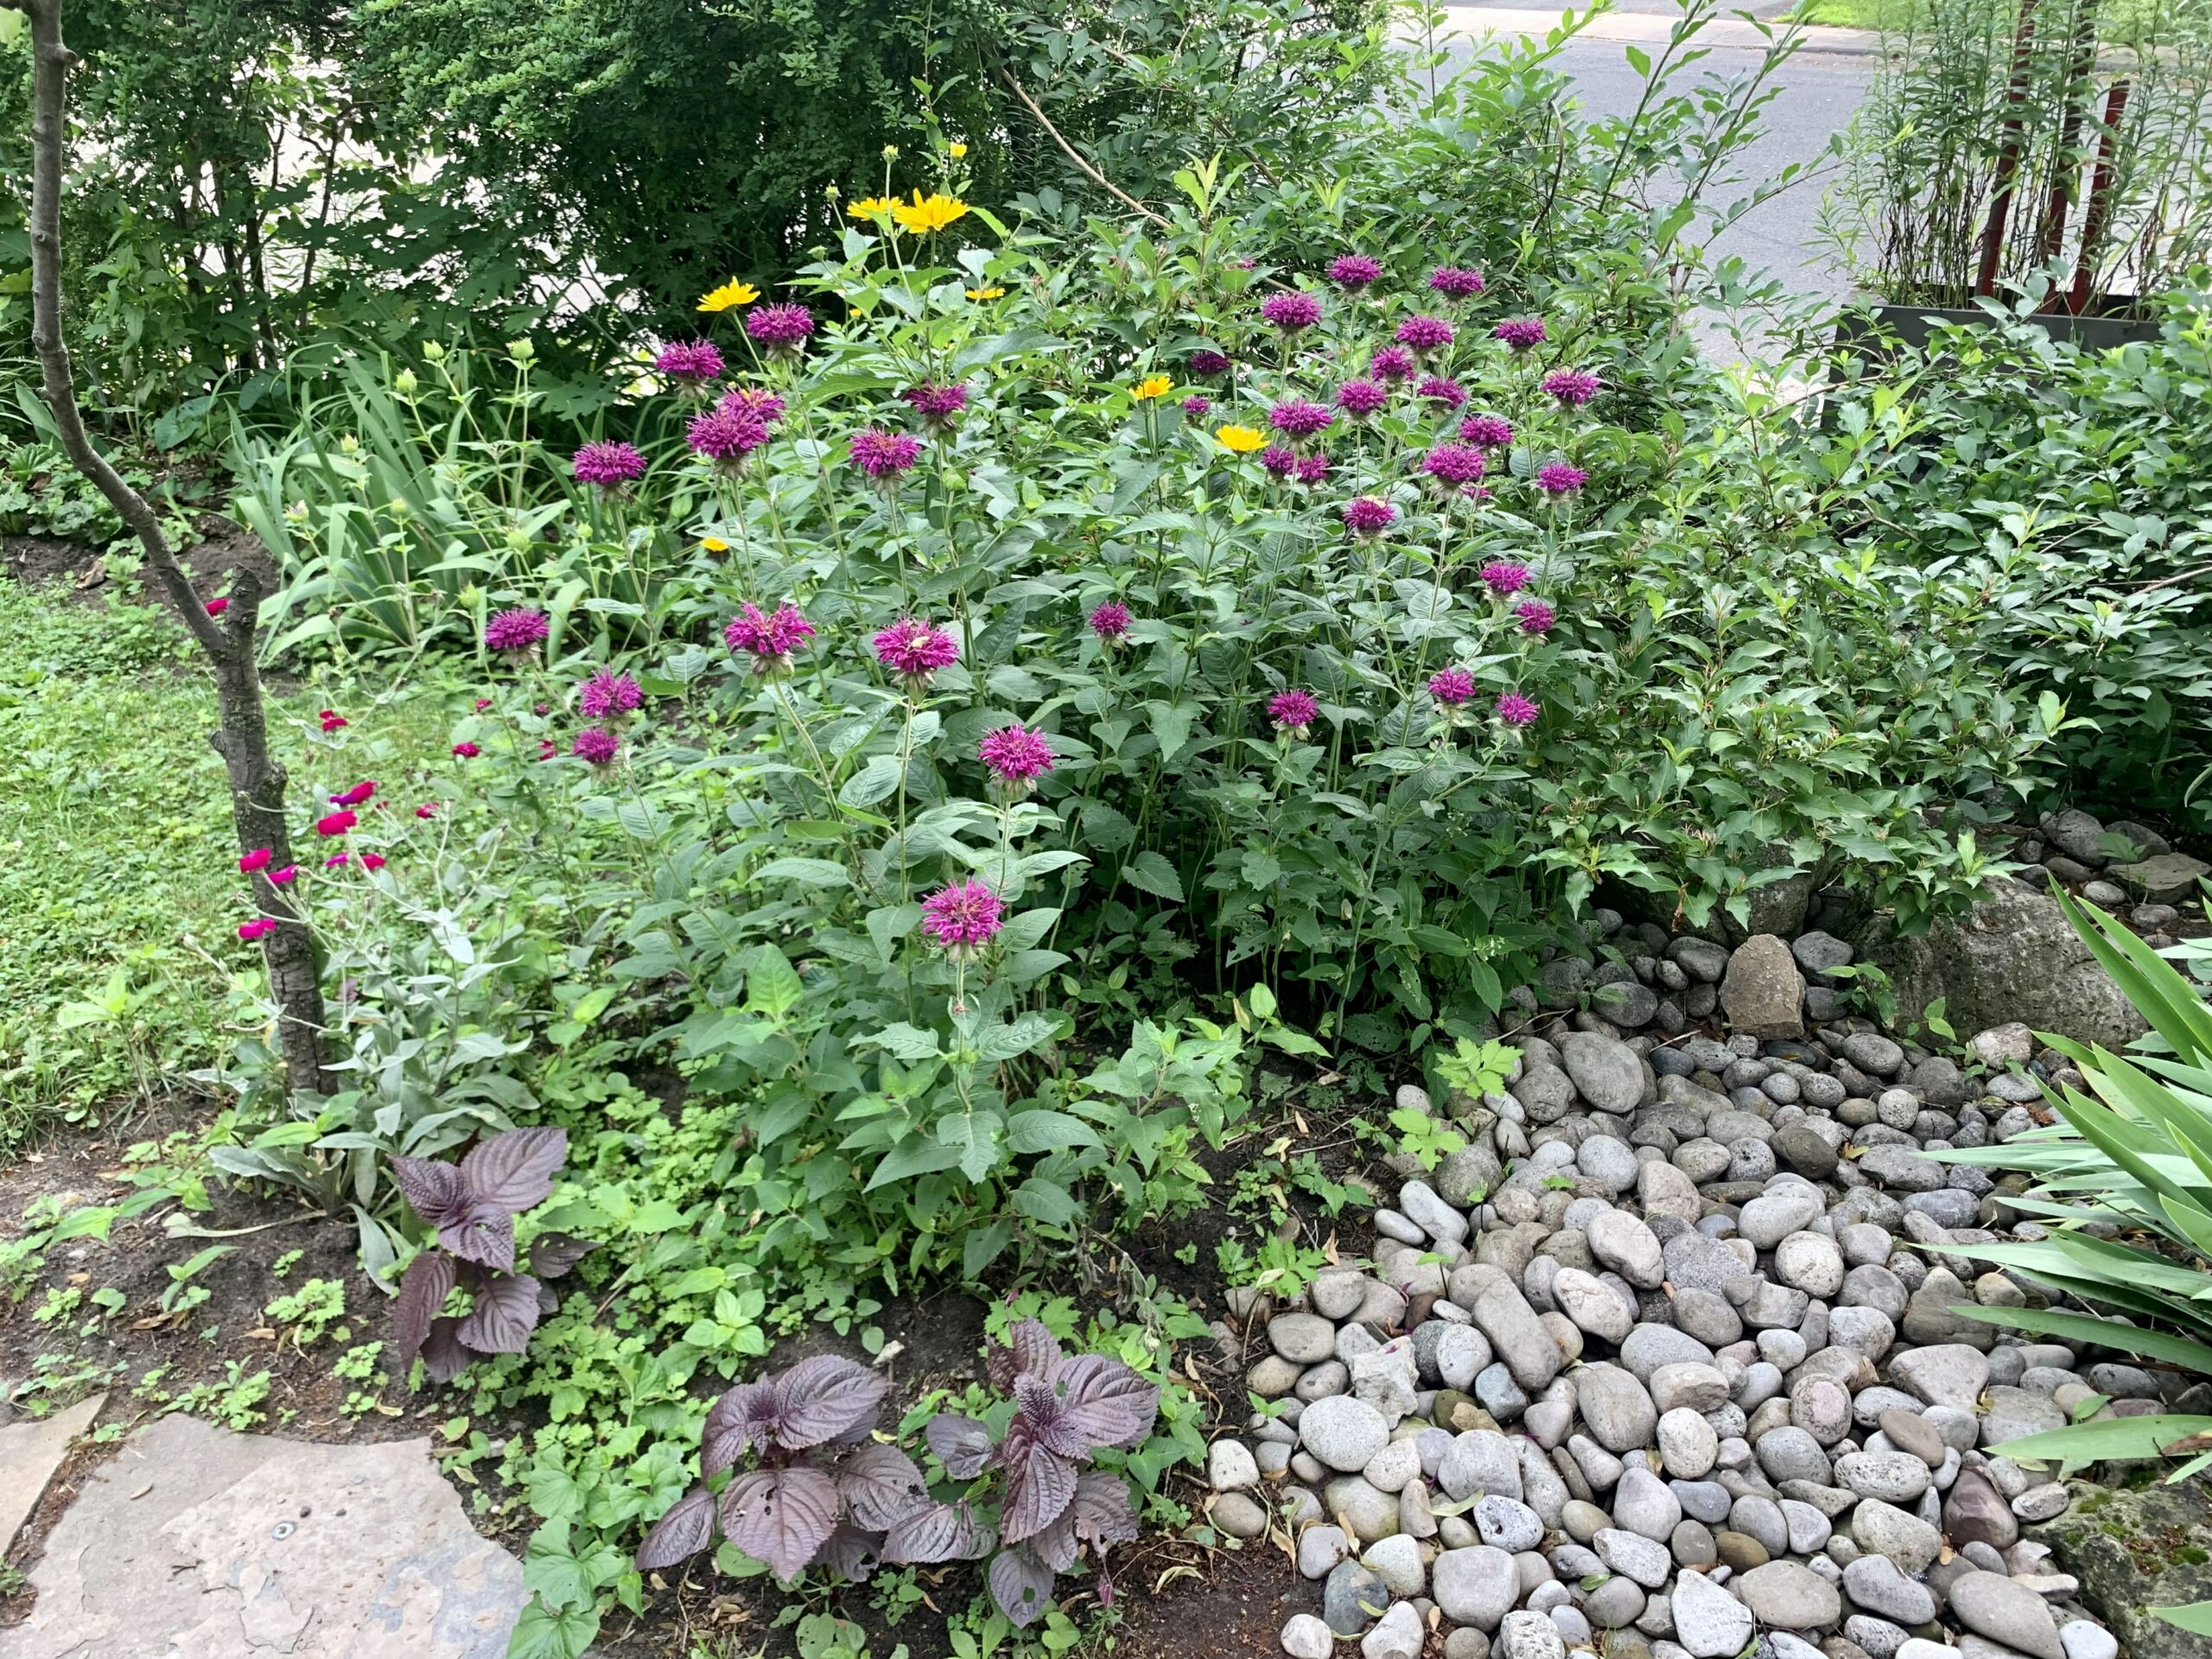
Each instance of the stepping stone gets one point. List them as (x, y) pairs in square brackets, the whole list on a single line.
[(29, 1453), (196, 1542)]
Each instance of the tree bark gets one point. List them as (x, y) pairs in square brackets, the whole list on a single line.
[(241, 736)]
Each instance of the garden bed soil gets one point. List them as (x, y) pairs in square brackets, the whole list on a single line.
[(80, 567)]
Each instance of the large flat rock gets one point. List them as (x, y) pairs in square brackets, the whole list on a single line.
[(197, 1543), (29, 1453)]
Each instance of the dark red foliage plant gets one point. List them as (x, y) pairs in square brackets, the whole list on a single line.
[(472, 1205)]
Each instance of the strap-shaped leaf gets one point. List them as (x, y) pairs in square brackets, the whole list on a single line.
[(687, 1528), (515, 1169), (823, 1397), (2161, 995), (505, 1314), (2109, 1437), (2082, 1327), (781, 1516)]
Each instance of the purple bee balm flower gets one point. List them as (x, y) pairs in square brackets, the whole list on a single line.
[(782, 328), (963, 918), (597, 746), (611, 466), (769, 640), (607, 693), (1311, 469), (915, 649), (940, 406), (725, 436), (1205, 363), (1196, 407), (1486, 431), (1299, 419), (1516, 710), (1454, 283), (692, 364), (1452, 687), (1293, 712), (1521, 334), (1505, 578), (1361, 398), (1454, 464), (1110, 621), (762, 404), (517, 631), (1279, 461), (1355, 271), (1437, 389), (884, 455), (1572, 387), (1368, 515), (1426, 333), (1291, 312), (1536, 616), (1557, 478), (1391, 363), (1016, 758)]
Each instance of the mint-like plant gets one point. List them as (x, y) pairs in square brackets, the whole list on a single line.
[(821, 1490), (472, 1205), (1067, 1409)]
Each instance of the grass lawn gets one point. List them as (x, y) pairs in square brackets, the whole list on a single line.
[(2119, 21)]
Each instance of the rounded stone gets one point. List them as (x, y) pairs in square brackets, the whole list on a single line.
[(1343, 1432), (1306, 1638), (1477, 1586), (1302, 1338), (1687, 1445), (2006, 1612), (1709, 1622), (1794, 1598)]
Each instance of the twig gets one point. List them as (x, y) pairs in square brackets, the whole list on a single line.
[(1075, 155)]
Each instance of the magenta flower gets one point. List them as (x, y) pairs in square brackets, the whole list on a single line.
[(963, 918), (257, 860), (1299, 419), (335, 823), (353, 797), (466, 750), (1016, 758), (335, 861), (916, 649), (1391, 363), (1311, 469), (769, 639), (1196, 407), (216, 607), (1521, 334), (259, 927), (1280, 461), (1516, 710), (940, 406), (612, 467), (693, 365), (1361, 398), (1291, 312), (1486, 431), (1557, 479), (1452, 686), (1426, 333), (1293, 712), (1437, 389), (1536, 616), (763, 405), (1355, 271), (284, 877), (514, 632), (1110, 621), (1205, 363), (1505, 578), (1572, 387), (607, 693), (884, 455), (1368, 515), (1454, 464), (597, 746), (725, 436), (1453, 283), (782, 328)]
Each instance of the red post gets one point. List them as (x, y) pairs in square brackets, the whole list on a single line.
[(2079, 89), (2093, 227), (2008, 158)]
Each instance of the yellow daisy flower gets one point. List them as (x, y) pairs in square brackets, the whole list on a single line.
[(1241, 440), (731, 294), (959, 150), (714, 543), (877, 207), (1155, 386), (931, 213), (986, 292)]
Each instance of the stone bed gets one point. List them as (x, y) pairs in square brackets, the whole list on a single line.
[(1664, 1362)]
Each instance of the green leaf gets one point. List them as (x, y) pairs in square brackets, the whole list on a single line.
[(906, 1042), (1149, 872), (873, 782), (2197, 1616), (1018, 1036), (1045, 1131), (772, 984), (2083, 1327), (2113, 1437), (542, 1633), (807, 872)]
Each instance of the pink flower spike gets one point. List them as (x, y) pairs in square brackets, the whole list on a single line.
[(257, 860), (592, 743), (916, 649), (1557, 479), (1110, 621), (770, 641), (516, 630), (482, 703), (1455, 283), (1293, 712), (1504, 578), (333, 721), (1516, 710), (1368, 515), (1452, 687), (1016, 758), (607, 693), (1536, 616)]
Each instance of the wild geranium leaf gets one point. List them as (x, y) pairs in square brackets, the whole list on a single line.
[(1046, 1420), (930, 1533), (515, 1170), (444, 1358), (687, 1528), (1040, 1483), (1102, 1509), (434, 1191), (744, 1417), (821, 1398), (423, 1291), (505, 1314), (1109, 1402), (1022, 1584), (880, 1484), (553, 1255), (961, 1443), (781, 1516)]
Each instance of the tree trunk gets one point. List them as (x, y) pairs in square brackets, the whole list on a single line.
[(242, 736)]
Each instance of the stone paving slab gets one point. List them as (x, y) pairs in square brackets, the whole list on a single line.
[(197, 1543), (29, 1453)]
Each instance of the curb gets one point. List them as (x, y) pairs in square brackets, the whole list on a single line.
[(1647, 29)]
